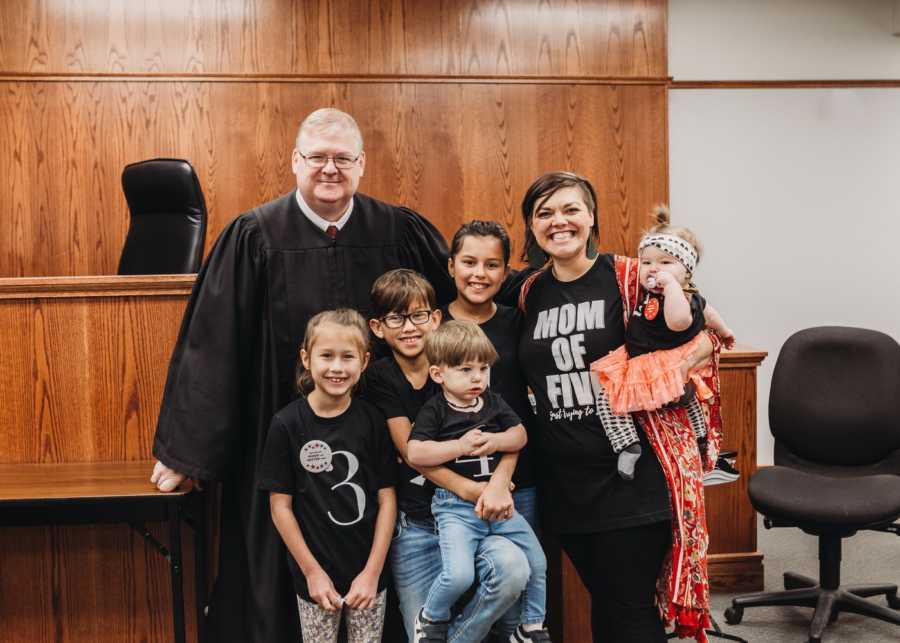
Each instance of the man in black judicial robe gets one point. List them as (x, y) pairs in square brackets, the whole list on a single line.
[(273, 268)]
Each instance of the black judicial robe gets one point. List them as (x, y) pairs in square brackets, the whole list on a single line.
[(233, 367)]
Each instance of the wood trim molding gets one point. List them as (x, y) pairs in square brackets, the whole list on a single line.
[(780, 84), (736, 572), (741, 357), (331, 78), (96, 286)]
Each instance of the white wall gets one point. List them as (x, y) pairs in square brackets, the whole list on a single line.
[(795, 193), (783, 39)]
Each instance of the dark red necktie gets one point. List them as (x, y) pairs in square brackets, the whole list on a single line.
[(332, 231)]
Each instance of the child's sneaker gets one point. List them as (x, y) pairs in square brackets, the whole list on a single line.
[(532, 636), (429, 631), (723, 472)]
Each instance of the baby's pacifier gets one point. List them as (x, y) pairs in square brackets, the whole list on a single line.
[(651, 282)]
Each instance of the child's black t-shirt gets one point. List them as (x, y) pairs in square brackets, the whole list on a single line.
[(508, 380), (387, 388), (567, 326), (440, 422), (647, 335), (333, 468)]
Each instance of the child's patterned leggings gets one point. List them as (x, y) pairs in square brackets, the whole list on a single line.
[(622, 433), (698, 420), (619, 429), (363, 625)]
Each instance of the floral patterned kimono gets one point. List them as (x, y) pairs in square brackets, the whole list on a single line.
[(683, 585)]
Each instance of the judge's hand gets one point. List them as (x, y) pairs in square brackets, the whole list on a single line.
[(363, 591), (166, 479), (322, 591), (495, 503)]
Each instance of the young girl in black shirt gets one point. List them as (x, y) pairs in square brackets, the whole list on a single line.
[(479, 263), (328, 466)]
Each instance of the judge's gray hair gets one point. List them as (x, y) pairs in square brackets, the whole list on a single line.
[(328, 120)]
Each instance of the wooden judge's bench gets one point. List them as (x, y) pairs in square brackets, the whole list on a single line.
[(82, 366)]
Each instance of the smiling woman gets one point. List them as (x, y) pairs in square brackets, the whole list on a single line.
[(613, 523)]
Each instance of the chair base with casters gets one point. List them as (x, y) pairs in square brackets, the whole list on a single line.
[(779, 488)]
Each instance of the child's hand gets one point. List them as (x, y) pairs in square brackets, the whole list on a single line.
[(470, 441), (489, 446), (727, 337), (664, 279), (363, 591), (322, 591)]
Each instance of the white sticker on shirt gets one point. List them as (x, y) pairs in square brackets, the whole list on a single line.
[(315, 456)]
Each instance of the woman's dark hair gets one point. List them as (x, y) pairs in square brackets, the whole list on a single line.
[(478, 228), (546, 186)]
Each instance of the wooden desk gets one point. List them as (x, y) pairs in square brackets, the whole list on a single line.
[(110, 492), (82, 366)]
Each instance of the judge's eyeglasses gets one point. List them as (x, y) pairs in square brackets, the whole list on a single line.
[(318, 161), (398, 320)]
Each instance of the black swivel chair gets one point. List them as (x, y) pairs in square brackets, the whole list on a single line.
[(834, 410), (168, 218)]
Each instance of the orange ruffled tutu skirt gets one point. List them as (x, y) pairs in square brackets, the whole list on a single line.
[(649, 381)]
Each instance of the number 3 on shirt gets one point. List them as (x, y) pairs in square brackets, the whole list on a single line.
[(352, 468)]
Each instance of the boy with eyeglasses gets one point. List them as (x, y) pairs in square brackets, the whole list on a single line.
[(405, 314)]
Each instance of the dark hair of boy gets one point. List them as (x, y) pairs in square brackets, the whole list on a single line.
[(397, 290), (479, 228), (457, 342)]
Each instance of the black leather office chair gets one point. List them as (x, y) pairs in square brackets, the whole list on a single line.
[(834, 410), (168, 218)]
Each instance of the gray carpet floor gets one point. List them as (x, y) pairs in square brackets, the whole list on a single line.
[(868, 557)]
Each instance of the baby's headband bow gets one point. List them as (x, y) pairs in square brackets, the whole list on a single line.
[(675, 246)]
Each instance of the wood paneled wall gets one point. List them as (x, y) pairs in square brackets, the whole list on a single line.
[(462, 105), (624, 38)]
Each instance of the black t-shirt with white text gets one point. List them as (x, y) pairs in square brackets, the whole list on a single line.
[(333, 467), (440, 422), (387, 388), (567, 326), (508, 380), (645, 335)]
